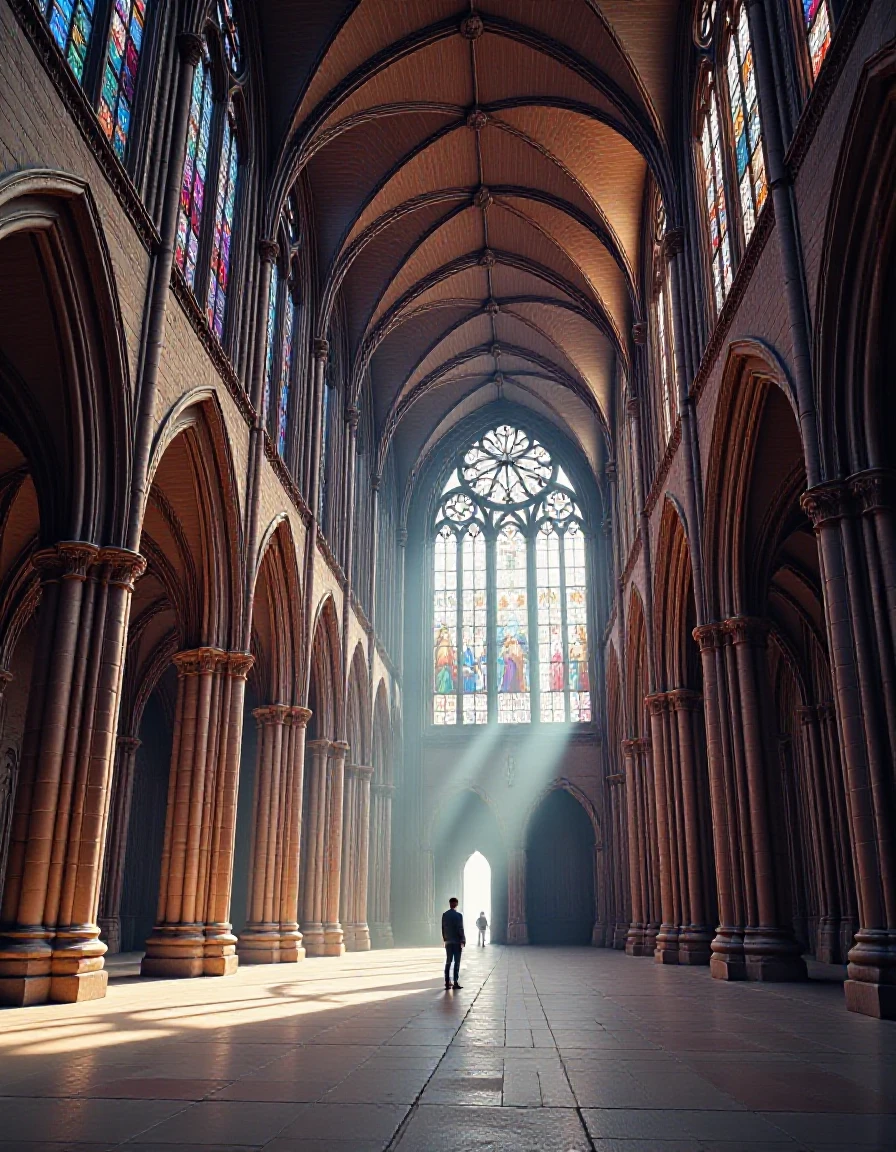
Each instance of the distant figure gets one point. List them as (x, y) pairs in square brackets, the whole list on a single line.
[(482, 925), (453, 935)]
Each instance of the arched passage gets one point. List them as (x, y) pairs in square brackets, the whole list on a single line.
[(467, 824), (476, 894), (560, 879)]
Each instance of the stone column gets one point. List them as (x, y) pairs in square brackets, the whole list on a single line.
[(272, 935), (634, 941), (333, 934), (650, 862), (361, 857), (696, 934), (349, 868), (619, 862), (313, 863), (380, 887), (827, 947), (192, 935), (109, 919), (517, 927), (666, 951), (49, 939), (855, 522)]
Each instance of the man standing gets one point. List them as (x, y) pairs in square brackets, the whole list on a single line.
[(454, 938), (482, 925)]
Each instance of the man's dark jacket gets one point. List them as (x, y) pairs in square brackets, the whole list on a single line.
[(453, 927)]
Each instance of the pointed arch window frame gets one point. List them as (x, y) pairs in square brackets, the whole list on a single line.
[(283, 334), (528, 517)]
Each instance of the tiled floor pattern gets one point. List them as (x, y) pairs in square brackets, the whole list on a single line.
[(562, 1050)]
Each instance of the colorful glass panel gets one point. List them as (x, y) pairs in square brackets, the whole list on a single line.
[(474, 627), (576, 624), (818, 31), (716, 209), (225, 204), (512, 618), (285, 367), (551, 658), (71, 22), (667, 398), (230, 34), (445, 628), (270, 342), (507, 466), (119, 85), (745, 125), (192, 190)]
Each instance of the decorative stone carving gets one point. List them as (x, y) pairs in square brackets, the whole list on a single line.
[(472, 27)]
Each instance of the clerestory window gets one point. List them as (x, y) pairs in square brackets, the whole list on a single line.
[(510, 631)]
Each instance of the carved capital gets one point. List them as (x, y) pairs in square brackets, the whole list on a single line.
[(873, 489), (825, 503), (319, 748), (487, 259), (199, 661), (123, 566), (708, 637), (363, 771), (633, 404), (611, 471), (189, 45), (384, 790), (352, 416), (299, 716), (128, 744), (239, 664), (376, 482), (685, 700), (338, 750), (270, 714), (320, 348), (643, 745), (806, 714), (69, 560), (471, 27), (477, 119), (657, 703), (629, 747), (747, 630), (639, 332), (268, 250)]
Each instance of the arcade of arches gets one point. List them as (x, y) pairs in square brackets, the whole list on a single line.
[(442, 427)]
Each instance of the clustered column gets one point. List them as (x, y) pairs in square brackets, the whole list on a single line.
[(855, 522), (755, 937), (355, 857), (313, 864), (272, 933), (109, 920), (517, 926), (642, 847), (193, 936), (49, 940), (334, 944), (619, 861), (381, 865)]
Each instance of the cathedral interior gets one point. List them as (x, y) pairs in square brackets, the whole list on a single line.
[(447, 449)]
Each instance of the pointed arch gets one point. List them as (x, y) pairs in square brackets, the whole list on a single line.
[(561, 784), (358, 708), (381, 750), (277, 624), (674, 614), (325, 698), (636, 684)]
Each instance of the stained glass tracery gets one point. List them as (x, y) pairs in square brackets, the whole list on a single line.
[(285, 367), (71, 22), (817, 19), (193, 184), (510, 638), (225, 204), (119, 84), (746, 127), (714, 191)]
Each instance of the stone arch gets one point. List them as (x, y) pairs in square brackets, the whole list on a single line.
[(674, 607), (855, 345), (66, 400), (381, 750), (277, 618), (325, 669), (560, 783), (358, 708), (636, 683), (561, 867)]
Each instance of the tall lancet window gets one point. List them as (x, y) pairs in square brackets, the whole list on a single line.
[(510, 626), (746, 128), (211, 176), (119, 82), (664, 342), (817, 24), (281, 328), (71, 23), (712, 172)]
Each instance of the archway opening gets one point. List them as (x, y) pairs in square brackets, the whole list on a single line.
[(560, 905), (476, 897)]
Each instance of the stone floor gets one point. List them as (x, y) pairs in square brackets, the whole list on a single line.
[(542, 1050)]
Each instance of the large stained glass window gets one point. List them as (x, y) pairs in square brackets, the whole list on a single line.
[(270, 354), (714, 191), (192, 189), (285, 368), (119, 83), (224, 207), (71, 22), (510, 620), (745, 126), (817, 17)]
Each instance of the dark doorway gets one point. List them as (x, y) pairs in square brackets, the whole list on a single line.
[(560, 872)]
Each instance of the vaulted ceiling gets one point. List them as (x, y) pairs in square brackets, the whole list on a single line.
[(476, 173)]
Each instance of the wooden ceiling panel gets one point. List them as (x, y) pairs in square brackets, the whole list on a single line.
[(509, 232), (648, 32)]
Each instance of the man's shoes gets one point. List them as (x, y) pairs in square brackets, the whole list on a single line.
[(456, 985)]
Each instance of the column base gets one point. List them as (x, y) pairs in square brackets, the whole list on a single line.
[(25, 963), (334, 940), (599, 935), (269, 944), (636, 943), (870, 987), (183, 951), (75, 987), (313, 939), (666, 950), (620, 932), (359, 941), (381, 936), (694, 946), (827, 947), (773, 956), (24, 991), (727, 960), (517, 933)]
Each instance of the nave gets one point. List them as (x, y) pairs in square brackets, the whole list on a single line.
[(569, 1049)]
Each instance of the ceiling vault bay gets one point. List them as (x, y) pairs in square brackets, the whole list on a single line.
[(476, 173)]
